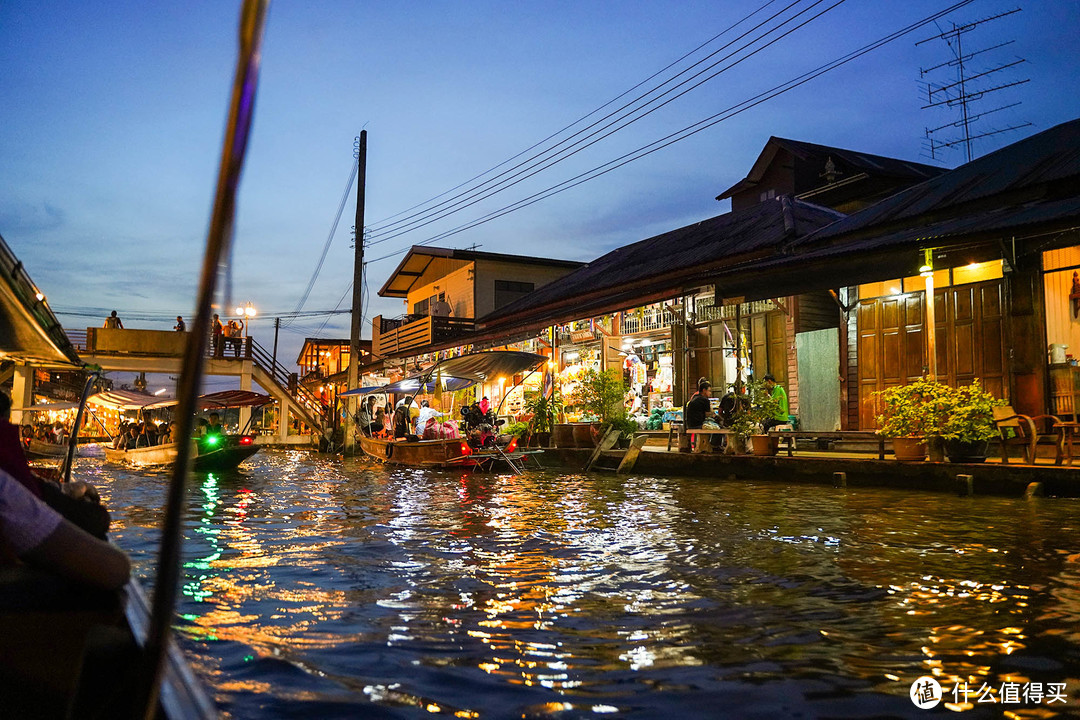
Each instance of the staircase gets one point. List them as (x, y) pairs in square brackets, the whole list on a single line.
[(284, 388)]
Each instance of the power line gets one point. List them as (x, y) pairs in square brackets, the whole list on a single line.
[(377, 227), (689, 130), (329, 239), (471, 197)]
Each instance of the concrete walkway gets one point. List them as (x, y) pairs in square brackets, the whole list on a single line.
[(848, 469)]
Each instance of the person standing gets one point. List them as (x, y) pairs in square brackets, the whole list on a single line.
[(217, 337), (113, 322), (179, 326)]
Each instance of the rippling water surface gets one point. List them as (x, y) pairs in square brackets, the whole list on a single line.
[(327, 588)]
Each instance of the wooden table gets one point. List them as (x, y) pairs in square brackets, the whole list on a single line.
[(1069, 430)]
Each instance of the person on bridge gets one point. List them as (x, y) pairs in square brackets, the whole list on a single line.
[(218, 343), (179, 326), (113, 322)]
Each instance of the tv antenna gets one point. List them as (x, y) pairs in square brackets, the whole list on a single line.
[(969, 87)]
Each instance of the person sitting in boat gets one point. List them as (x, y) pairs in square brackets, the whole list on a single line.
[(378, 422), (485, 405), (131, 436), (38, 535), (60, 433), (77, 501), (147, 437), (213, 425), (426, 413), (403, 421)]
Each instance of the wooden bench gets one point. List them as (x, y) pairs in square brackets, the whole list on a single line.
[(676, 431), (857, 435)]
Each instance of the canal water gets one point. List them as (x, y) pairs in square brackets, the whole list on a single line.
[(326, 588)]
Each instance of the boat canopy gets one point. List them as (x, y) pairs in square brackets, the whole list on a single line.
[(46, 407), (125, 400), (29, 332), (232, 399), (460, 372)]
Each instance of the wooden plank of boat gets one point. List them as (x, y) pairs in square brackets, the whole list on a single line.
[(630, 459), (154, 456), (606, 443), (41, 449), (226, 457)]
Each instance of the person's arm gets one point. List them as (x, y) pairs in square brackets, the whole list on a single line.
[(74, 554)]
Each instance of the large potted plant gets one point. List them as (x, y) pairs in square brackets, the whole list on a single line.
[(600, 397), (763, 407), (912, 413), (969, 423), (545, 409)]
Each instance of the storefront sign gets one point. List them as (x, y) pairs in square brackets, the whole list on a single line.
[(580, 336)]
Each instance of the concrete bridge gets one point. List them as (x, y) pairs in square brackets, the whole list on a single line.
[(159, 351)]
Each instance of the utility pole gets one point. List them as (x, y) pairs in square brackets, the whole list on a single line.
[(277, 326), (360, 153)]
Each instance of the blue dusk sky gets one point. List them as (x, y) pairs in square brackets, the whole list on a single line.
[(113, 117)]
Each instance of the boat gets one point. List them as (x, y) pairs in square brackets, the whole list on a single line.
[(50, 625), (42, 450), (69, 651), (211, 452), (478, 450)]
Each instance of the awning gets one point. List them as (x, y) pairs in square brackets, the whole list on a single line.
[(46, 407), (460, 372), (233, 398), (124, 400), (29, 332)]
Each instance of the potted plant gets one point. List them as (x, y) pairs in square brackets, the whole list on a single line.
[(910, 414), (969, 423), (600, 397), (545, 409), (763, 407)]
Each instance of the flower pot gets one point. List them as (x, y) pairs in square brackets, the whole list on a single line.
[(583, 435), (541, 439), (563, 435), (960, 451), (764, 445), (909, 449)]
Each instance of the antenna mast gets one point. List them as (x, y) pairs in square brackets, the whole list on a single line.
[(966, 89)]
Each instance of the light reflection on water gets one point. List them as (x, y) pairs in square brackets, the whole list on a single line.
[(327, 588)]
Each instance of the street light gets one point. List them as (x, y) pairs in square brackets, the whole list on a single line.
[(245, 312)]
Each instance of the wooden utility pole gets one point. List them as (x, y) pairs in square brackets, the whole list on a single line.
[(360, 149)]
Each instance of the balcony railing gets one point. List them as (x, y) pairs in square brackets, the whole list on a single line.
[(395, 336), (653, 318)]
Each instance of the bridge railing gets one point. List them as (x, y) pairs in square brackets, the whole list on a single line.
[(257, 353)]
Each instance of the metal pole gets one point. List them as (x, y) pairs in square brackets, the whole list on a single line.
[(241, 109), (358, 290)]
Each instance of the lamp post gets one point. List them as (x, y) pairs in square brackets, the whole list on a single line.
[(245, 312)]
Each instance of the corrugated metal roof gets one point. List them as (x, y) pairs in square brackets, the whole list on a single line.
[(416, 262), (668, 258), (1014, 176), (851, 160)]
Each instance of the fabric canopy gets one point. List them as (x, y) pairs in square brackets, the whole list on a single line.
[(460, 372), (45, 407), (233, 398), (124, 400)]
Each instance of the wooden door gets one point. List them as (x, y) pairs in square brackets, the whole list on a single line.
[(970, 335), (890, 348)]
